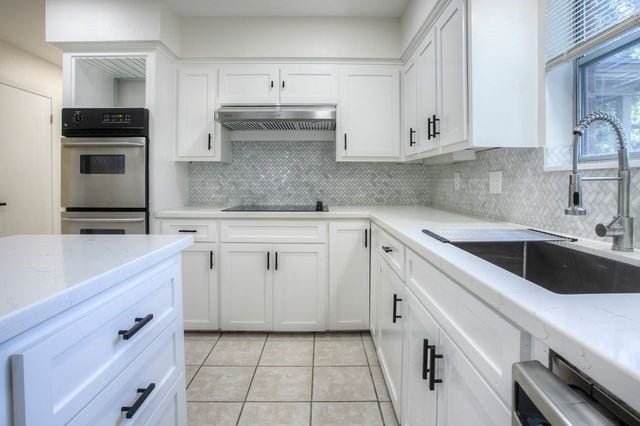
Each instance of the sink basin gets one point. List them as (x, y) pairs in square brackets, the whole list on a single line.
[(558, 268)]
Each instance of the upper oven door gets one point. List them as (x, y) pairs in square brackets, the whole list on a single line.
[(104, 172)]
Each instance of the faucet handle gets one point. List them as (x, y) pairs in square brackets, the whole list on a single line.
[(613, 229)]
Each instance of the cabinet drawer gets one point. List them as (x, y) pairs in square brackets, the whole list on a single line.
[(201, 230), (80, 360), (274, 231), (489, 341), (160, 365), (392, 251)]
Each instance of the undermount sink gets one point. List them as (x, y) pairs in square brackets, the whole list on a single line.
[(558, 268)]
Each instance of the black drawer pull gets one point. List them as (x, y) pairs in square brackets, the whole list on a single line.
[(145, 392), (396, 299), (268, 260), (209, 143), (276, 261), (366, 237), (387, 249), (211, 259), (425, 358), (432, 367), (140, 323), (191, 231)]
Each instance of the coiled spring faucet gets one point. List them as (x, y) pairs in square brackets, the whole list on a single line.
[(621, 227)]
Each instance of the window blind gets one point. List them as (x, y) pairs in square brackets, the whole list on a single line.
[(574, 26)]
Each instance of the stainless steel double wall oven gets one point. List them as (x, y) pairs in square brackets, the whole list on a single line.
[(105, 171)]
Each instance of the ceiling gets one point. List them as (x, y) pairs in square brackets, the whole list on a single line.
[(323, 8)]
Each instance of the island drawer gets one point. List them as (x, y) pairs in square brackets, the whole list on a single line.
[(488, 340), (79, 360), (273, 231), (145, 383), (200, 230), (392, 251)]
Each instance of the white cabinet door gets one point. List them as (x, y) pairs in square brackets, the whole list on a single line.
[(308, 84), (249, 84), (420, 331), (410, 134), (200, 287), (197, 130), (349, 275), (463, 394), (368, 125), (246, 296), (452, 74), (427, 94), (390, 331), (299, 287)]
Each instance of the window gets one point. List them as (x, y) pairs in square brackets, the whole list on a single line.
[(609, 80)]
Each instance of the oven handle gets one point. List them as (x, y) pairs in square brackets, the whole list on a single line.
[(98, 220), (97, 142)]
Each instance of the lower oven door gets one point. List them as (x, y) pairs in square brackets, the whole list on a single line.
[(108, 172), (104, 223)]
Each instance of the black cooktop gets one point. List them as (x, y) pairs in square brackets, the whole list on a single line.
[(318, 207)]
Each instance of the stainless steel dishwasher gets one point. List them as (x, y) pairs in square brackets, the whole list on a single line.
[(562, 395)]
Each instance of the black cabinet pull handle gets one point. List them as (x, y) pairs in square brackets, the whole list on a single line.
[(276, 261), (345, 141), (140, 323), (283, 84), (425, 358), (411, 133), (187, 230), (387, 249), (209, 143), (396, 299), (432, 367), (272, 84), (3, 204), (145, 392), (429, 135), (366, 237), (211, 259), (268, 260)]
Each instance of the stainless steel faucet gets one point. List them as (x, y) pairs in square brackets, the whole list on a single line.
[(621, 227)]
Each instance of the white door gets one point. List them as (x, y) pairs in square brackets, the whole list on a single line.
[(463, 393), (249, 84), (390, 330), (308, 84), (410, 135), (26, 181), (246, 294), (368, 113), (197, 130), (349, 275), (300, 287), (452, 74), (200, 287), (427, 94), (420, 331)]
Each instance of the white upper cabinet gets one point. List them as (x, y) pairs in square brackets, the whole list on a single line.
[(199, 137), (427, 93), (410, 135), (368, 127), (308, 84), (252, 84)]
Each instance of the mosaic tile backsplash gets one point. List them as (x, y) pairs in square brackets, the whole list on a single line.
[(302, 173), (529, 196)]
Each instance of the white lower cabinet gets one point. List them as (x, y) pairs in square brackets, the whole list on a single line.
[(349, 248), (278, 287), (200, 287), (390, 330)]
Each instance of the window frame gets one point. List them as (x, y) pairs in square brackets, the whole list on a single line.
[(580, 64)]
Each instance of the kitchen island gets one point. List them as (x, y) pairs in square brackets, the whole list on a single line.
[(91, 329)]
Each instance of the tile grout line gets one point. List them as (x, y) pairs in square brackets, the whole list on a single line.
[(251, 382), (375, 389), (203, 361)]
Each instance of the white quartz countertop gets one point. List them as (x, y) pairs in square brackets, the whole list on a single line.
[(599, 333), (43, 275)]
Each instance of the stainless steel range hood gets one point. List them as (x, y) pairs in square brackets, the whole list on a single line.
[(283, 118)]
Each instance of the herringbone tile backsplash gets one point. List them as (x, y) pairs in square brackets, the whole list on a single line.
[(302, 173)]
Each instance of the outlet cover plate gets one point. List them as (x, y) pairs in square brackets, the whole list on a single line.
[(495, 182)]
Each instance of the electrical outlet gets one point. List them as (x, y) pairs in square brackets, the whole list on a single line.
[(495, 182), (456, 181)]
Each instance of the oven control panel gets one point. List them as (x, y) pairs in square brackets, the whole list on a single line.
[(96, 122), (116, 117)]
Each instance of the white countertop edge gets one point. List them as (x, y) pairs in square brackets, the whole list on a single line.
[(21, 320)]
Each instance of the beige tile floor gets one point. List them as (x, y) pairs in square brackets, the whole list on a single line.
[(284, 379)]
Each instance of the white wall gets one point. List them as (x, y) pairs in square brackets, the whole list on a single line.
[(26, 71), (70, 21), (290, 37)]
